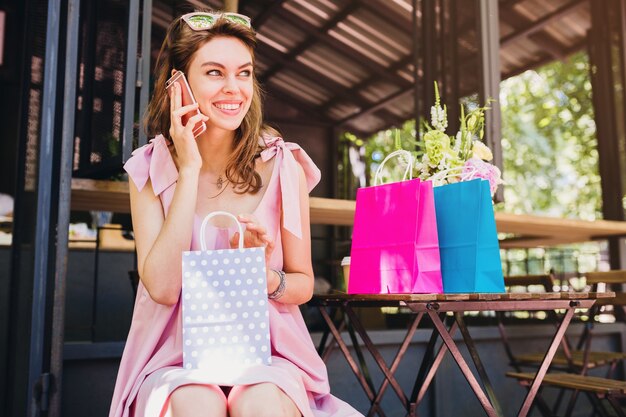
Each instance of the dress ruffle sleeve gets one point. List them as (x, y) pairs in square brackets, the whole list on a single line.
[(288, 156), (153, 161)]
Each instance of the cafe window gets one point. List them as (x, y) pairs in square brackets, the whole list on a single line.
[(101, 88)]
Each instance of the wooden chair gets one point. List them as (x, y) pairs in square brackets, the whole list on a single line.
[(545, 281), (530, 283), (601, 388), (577, 362)]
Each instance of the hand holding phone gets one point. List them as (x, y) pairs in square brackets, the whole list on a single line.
[(187, 99)]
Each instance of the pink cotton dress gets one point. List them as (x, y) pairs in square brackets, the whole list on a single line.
[(151, 366)]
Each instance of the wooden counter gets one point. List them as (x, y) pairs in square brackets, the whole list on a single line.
[(529, 231)]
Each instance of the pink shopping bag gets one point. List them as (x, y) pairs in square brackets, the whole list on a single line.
[(395, 247)]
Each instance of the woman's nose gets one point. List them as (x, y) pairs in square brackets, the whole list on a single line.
[(230, 85)]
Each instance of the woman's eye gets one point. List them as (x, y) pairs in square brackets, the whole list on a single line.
[(245, 73), (214, 72)]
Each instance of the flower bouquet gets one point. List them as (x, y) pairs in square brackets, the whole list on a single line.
[(449, 159), (464, 183)]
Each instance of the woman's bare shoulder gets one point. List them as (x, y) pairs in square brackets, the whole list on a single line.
[(265, 168)]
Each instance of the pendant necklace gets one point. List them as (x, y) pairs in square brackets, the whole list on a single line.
[(220, 186)]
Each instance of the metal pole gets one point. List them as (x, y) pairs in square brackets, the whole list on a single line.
[(416, 63), (429, 55), (144, 95), (65, 190), (130, 81), (231, 5), (489, 30), (37, 380)]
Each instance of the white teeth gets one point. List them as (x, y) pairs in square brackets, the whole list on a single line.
[(227, 106)]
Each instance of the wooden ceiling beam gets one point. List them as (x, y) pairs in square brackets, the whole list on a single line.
[(541, 23), (548, 44), (508, 4), (540, 38), (542, 61), (545, 59), (381, 104), (321, 35), (268, 11), (381, 8), (308, 73), (391, 124), (317, 78), (299, 104), (362, 84), (311, 38)]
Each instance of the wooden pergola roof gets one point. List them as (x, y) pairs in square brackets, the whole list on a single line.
[(348, 63)]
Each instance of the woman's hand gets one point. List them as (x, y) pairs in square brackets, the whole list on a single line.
[(187, 153), (255, 236)]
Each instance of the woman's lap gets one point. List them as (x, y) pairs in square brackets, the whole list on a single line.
[(154, 395), (245, 400)]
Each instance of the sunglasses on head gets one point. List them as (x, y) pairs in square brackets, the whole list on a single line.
[(205, 21)]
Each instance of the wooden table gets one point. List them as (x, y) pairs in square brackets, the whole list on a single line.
[(435, 306), (529, 231)]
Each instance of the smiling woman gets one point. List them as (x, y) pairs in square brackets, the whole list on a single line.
[(238, 166)]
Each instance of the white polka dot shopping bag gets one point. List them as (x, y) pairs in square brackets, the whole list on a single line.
[(225, 311)]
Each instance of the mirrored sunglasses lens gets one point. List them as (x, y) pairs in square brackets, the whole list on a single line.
[(238, 19), (201, 21)]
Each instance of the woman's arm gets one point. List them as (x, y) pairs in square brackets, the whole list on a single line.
[(297, 256), (161, 240)]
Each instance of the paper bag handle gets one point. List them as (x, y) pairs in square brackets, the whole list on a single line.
[(409, 168), (219, 213), (451, 172)]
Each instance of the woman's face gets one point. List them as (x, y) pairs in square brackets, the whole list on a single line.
[(220, 75)]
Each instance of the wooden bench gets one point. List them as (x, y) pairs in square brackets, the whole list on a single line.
[(546, 281), (602, 388), (577, 361), (612, 280)]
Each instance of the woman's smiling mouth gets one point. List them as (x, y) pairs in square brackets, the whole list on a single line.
[(230, 108)]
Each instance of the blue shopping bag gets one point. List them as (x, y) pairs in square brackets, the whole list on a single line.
[(468, 240)]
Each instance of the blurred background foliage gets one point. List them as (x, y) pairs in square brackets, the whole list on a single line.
[(549, 142)]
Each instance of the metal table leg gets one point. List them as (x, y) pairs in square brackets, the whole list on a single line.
[(541, 372), (463, 366), (351, 362), (471, 347), (424, 379), (388, 372)]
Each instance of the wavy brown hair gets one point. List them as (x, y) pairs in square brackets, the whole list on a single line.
[(177, 51)]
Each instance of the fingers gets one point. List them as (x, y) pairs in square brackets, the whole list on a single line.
[(234, 241), (255, 234), (181, 111), (259, 233), (269, 248), (175, 100), (177, 110), (193, 120), (255, 240)]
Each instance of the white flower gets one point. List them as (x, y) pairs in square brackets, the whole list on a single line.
[(457, 142), (438, 118), (481, 151)]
